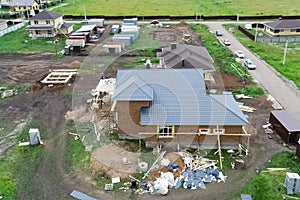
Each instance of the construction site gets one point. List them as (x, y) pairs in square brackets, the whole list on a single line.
[(81, 88)]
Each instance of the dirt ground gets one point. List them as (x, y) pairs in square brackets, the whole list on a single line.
[(50, 105)]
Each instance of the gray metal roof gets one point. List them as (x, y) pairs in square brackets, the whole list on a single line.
[(40, 27), (45, 15), (21, 3), (66, 25), (179, 98), (193, 56), (79, 195), (284, 24), (290, 123)]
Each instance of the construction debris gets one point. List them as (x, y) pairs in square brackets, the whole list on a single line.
[(79, 195), (181, 169), (246, 108), (242, 96)]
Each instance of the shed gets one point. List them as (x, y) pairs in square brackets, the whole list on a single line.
[(114, 47), (132, 36), (125, 39), (132, 21), (287, 127), (97, 22), (135, 33), (128, 28), (3, 25), (115, 28)]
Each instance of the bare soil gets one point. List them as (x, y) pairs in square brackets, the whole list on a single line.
[(50, 105)]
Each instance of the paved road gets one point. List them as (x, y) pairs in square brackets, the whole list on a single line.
[(280, 89)]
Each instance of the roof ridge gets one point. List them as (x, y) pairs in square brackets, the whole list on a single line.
[(227, 108)]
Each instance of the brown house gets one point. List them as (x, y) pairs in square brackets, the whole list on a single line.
[(171, 107), (287, 127), (187, 56), (283, 28)]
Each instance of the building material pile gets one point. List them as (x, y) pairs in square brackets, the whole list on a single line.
[(181, 169)]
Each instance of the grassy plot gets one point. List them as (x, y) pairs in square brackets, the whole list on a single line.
[(19, 42), (75, 155), (180, 7), (18, 167), (223, 58), (270, 184), (273, 53)]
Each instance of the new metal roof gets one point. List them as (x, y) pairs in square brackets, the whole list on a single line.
[(178, 98), (290, 123), (21, 3), (45, 15), (284, 24), (193, 56)]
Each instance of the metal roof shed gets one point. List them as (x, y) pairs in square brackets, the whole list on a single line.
[(132, 36), (287, 127), (125, 39)]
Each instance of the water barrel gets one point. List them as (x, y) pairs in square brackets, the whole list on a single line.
[(143, 167)]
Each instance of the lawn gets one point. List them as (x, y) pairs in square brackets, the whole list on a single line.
[(273, 53), (18, 42), (270, 184), (180, 7)]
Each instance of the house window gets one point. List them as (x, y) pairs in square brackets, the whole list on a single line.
[(204, 130), (165, 131), (219, 131), (47, 22), (36, 22), (38, 32), (49, 32), (281, 30)]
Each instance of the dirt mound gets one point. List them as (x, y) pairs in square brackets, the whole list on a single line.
[(75, 64), (80, 115), (114, 165)]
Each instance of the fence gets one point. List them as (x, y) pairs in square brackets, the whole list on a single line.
[(278, 39), (11, 29), (290, 39)]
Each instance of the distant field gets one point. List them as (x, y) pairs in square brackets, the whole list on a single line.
[(181, 7)]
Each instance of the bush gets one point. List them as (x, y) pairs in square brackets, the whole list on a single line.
[(251, 90)]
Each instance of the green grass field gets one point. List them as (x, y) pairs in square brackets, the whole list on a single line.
[(270, 184), (180, 7)]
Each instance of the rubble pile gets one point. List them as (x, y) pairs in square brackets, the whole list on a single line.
[(176, 170)]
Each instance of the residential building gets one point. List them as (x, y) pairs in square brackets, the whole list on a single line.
[(17, 6), (289, 27), (48, 24), (171, 107), (187, 56)]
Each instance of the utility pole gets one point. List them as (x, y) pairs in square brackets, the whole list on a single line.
[(285, 50), (256, 32), (237, 19)]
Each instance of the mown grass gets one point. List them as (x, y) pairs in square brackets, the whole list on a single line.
[(250, 90), (270, 185), (273, 53), (18, 42), (180, 7), (223, 58), (76, 158), (18, 167)]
